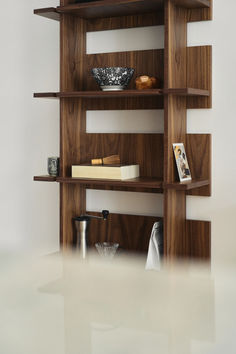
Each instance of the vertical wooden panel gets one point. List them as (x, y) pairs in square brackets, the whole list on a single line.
[(72, 119), (201, 14), (199, 75), (119, 22), (198, 148), (200, 239), (175, 127)]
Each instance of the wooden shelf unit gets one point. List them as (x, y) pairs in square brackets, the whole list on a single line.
[(186, 75)]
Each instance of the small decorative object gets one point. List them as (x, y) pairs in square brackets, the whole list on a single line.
[(182, 162), (53, 166), (146, 82), (110, 160), (107, 249), (114, 78), (156, 247), (82, 224)]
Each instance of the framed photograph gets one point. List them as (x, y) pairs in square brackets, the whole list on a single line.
[(182, 162)]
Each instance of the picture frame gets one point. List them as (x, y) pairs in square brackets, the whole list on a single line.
[(182, 162)]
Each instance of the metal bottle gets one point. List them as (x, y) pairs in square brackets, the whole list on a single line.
[(82, 224)]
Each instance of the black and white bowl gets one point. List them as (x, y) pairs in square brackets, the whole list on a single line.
[(114, 78)]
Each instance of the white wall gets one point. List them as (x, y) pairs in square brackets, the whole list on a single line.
[(30, 127)]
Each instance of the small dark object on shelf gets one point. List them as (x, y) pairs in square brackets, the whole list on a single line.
[(146, 82), (53, 166)]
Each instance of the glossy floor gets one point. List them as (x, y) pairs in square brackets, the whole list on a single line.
[(60, 305)]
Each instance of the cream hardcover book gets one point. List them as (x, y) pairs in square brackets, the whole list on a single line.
[(119, 172)]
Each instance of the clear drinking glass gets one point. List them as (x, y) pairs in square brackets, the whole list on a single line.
[(107, 249)]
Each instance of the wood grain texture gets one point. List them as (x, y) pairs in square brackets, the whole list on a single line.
[(185, 186), (204, 14), (125, 93), (199, 82), (131, 103), (145, 62), (130, 231), (175, 239), (49, 12), (133, 233), (142, 182), (192, 4), (106, 103), (199, 233), (143, 149), (188, 91), (199, 75), (198, 149), (45, 178), (184, 69), (130, 21), (45, 95), (72, 120), (132, 148), (109, 8), (111, 94), (72, 204)]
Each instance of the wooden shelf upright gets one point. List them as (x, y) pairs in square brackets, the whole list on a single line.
[(186, 74)]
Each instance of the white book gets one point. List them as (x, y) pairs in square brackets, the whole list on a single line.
[(118, 172)]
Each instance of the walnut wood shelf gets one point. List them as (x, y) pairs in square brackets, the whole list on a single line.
[(110, 8), (141, 182), (125, 93), (45, 178), (49, 12), (100, 94), (186, 92), (186, 74), (186, 186)]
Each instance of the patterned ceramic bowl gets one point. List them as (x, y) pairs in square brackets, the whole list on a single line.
[(114, 78)]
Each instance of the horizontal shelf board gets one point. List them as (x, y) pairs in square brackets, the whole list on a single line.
[(100, 94), (110, 94), (193, 4), (45, 178), (49, 12), (188, 185), (45, 95), (125, 93), (141, 182), (186, 92), (111, 8)]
